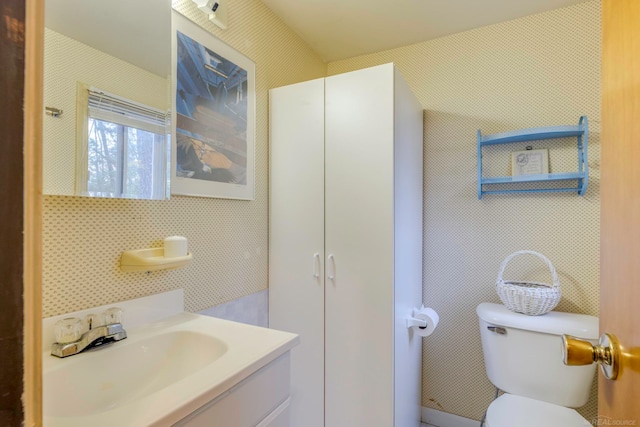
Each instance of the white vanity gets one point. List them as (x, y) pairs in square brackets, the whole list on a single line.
[(174, 368)]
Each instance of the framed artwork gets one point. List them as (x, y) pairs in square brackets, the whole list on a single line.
[(530, 162), (213, 149)]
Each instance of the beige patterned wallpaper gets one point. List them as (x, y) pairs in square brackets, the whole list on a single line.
[(83, 237), (540, 70)]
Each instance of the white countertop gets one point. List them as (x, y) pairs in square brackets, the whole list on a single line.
[(248, 348)]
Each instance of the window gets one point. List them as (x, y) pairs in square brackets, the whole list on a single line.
[(124, 148)]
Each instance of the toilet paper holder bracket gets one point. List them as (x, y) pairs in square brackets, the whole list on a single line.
[(413, 321)]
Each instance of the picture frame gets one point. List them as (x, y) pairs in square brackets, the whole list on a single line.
[(213, 116), (530, 162)]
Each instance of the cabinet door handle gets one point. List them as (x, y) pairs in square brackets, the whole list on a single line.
[(316, 265), (331, 273)]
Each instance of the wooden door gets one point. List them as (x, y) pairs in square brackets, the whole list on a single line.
[(359, 204), (296, 239), (21, 47), (620, 201), (12, 47)]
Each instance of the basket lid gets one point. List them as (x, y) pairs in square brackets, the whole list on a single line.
[(554, 322)]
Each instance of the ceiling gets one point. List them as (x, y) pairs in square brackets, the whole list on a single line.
[(139, 31), (339, 29), (136, 31)]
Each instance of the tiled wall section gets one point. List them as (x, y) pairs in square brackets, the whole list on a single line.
[(83, 237), (540, 70), (252, 309)]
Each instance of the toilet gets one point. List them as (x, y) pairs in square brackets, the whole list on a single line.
[(523, 358)]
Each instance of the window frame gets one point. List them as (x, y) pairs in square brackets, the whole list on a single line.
[(126, 114)]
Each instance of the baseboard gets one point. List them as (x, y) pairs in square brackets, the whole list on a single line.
[(443, 419)]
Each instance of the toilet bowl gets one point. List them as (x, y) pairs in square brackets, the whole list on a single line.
[(510, 411), (523, 359)]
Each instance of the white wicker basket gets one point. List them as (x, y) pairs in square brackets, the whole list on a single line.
[(531, 298)]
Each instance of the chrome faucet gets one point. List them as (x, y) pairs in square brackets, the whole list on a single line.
[(94, 337)]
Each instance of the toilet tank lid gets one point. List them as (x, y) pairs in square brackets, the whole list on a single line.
[(554, 322)]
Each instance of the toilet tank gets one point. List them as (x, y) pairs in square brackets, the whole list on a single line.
[(523, 354)]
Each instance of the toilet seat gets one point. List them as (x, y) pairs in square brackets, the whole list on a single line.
[(509, 410)]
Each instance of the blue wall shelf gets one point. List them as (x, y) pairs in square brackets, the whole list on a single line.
[(580, 131)]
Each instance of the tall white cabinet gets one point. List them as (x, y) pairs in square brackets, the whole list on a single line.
[(345, 246)]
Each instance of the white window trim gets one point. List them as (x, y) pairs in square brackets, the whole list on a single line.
[(142, 117)]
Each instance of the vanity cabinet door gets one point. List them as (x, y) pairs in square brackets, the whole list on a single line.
[(280, 417), (250, 402)]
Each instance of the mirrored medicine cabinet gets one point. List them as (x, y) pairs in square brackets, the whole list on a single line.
[(107, 98)]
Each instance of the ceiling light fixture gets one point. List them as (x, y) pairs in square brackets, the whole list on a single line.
[(217, 11)]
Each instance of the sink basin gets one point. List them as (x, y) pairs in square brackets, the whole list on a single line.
[(164, 371), (128, 371)]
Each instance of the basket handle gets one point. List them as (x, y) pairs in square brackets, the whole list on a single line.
[(554, 275)]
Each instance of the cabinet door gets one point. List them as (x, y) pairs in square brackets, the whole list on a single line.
[(296, 234), (359, 239), (255, 401)]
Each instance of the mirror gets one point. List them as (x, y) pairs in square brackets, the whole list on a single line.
[(106, 98)]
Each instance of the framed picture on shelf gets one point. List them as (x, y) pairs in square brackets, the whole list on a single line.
[(213, 151), (530, 162)]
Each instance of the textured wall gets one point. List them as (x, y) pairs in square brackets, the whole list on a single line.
[(540, 70), (83, 237)]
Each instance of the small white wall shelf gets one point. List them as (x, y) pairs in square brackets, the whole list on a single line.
[(535, 134), (150, 260)]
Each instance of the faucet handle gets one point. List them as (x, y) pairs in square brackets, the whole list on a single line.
[(68, 330), (93, 320), (113, 315)]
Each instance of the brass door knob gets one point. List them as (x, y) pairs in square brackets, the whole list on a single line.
[(577, 352)]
